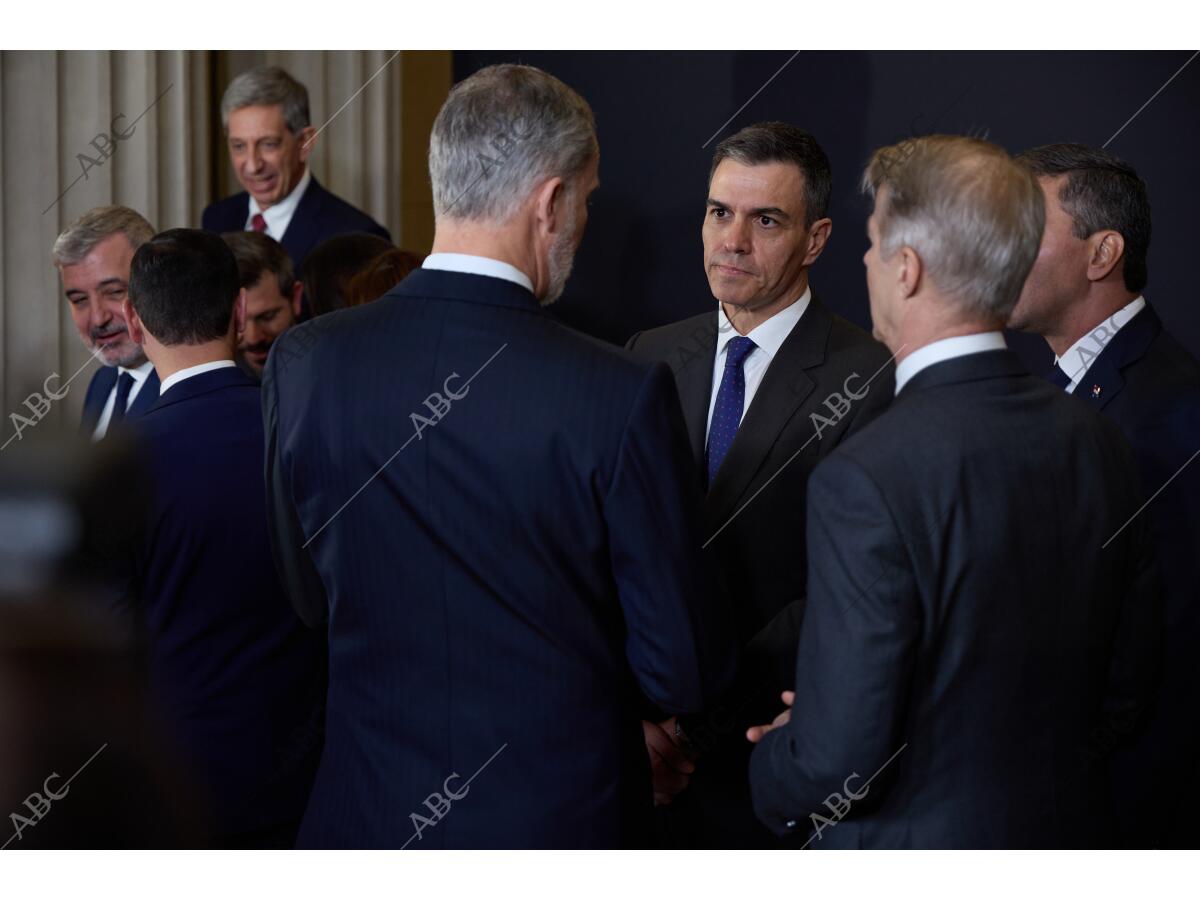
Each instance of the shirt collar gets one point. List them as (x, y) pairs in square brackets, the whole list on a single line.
[(277, 214), (768, 336), (946, 348), (1081, 354), (477, 265), (190, 371), (140, 373)]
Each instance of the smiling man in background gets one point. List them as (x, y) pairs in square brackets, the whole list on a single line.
[(270, 137), (93, 255)]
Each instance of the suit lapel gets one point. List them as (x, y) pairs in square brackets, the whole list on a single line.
[(1103, 381), (783, 393), (97, 394), (301, 232), (693, 369)]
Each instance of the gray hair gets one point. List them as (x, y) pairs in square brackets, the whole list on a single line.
[(500, 133), (81, 236), (972, 214), (268, 86)]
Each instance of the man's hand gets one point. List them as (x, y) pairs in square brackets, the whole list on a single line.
[(669, 765), (756, 734)]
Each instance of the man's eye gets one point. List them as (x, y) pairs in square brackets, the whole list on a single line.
[(766, 220), (717, 213)]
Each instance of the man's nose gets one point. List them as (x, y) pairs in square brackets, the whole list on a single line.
[(101, 313), (737, 237)]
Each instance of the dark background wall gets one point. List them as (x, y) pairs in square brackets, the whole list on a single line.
[(641, 263)]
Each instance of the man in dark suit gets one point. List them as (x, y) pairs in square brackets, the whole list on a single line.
[(800, 380), (92, 256), (270, 137), (239, 676), (973, 630), (1084, 296), (503, 548)]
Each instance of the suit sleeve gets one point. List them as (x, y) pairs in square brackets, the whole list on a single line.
[(855, 657), (1135, 668), (680, 654), (293, 562)]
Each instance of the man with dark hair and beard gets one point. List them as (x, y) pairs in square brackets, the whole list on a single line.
[(272, 295)]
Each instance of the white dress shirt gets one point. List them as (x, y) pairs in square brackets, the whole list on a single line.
[(279, 215), (191, 371), (140, 374), (946, 348), (477, 265), (768, 338), (1081, 354)]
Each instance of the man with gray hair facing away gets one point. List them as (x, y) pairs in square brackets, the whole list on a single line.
[(265, 116), (92, 256), (983, 605), (503, 547)]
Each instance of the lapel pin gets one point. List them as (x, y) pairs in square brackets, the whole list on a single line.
[(1095, 391)]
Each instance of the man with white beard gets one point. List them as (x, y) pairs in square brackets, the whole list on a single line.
[(492, 516), (93, 255)]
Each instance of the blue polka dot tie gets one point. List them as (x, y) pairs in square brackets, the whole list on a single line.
[(731, 397)]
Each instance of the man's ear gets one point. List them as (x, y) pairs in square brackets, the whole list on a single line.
[(307, 138), (137, 332), (1106, 249), (818, 237), (239, 312), (297, 293), (909, 272), (549, 205)]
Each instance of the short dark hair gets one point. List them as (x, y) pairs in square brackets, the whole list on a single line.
[(183, 283), (256, 254), (1102, 192), (331, 264), (768, 142)]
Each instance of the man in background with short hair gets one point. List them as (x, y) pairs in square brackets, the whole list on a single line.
[(92, 256), (270, 136), (1086, 297), (239, 678)]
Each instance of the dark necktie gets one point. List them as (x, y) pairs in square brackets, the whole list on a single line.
[(731, 397), (124, 386), (258, 223), (1058, 377)]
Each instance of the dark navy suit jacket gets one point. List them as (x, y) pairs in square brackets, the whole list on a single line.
[(239, 676), (319, 215), (754, 510), (501, 520), (970, 644), (1146, 382), (97, 395)]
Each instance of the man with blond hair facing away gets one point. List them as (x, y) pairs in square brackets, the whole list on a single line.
[(982, 600)]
